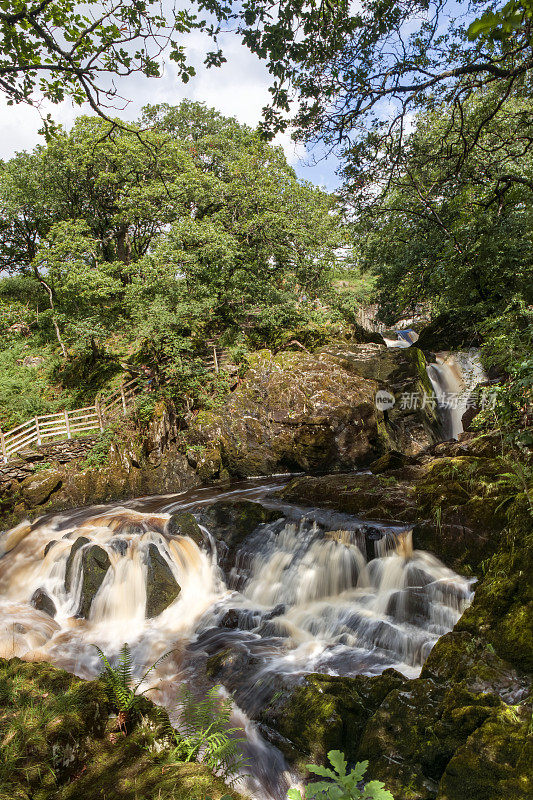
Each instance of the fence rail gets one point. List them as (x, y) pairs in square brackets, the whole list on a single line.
[(66, 424)]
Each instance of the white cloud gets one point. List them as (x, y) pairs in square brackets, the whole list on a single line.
[(239, 89)]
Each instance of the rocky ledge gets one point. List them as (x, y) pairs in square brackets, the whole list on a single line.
[(315, 412)]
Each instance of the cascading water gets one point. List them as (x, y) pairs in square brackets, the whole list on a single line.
[(308, 592), (453, 378)]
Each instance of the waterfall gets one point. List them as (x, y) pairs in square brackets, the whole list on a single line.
[(314, 592), (453, 377), (404, 338)]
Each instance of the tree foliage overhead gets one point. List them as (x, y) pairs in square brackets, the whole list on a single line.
[(352, 76), (59, 48)]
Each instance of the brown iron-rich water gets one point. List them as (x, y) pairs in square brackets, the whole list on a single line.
[(312, 591)]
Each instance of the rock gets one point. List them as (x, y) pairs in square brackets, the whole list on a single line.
[(42, 601), (184, 524), (119, 546), (37, 489), (391, 460), (496, 761), (315, 412), (94, 563), (415, 731), (374, 497), (325, 713), (10, 539), (48, 547), (80, 541), (230, 522), (29, 454), (161, 585)]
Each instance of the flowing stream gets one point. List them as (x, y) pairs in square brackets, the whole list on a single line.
[(309, 591)]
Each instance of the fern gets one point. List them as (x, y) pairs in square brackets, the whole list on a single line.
[(122, 689), (206, 734), (340, 784)]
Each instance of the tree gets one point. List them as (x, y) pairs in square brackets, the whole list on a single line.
[(352, 79), (455, 238), (205, 232), (59, 48)]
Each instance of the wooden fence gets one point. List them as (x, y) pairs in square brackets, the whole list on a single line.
[(66, 424)]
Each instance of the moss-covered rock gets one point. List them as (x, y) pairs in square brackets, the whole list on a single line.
[(314, 412), (495, 762), (59, 743), (415, 732), (184, 524), (231, 521), (162, 587), (37, 489), (325, 713)]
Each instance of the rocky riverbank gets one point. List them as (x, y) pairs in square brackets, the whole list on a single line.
[(462, 730), (294, 411)]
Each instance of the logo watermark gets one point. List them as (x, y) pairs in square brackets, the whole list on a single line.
[(410, 401), (384, 400)]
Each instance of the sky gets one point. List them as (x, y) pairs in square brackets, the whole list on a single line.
[(239, 88)]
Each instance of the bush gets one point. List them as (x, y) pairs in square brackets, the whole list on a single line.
[(340, 784)]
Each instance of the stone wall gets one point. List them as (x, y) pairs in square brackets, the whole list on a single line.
[(25, 461)]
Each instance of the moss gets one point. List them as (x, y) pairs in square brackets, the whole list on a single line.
[(184, 524), (495, 762), (60, 743), (325, 713)]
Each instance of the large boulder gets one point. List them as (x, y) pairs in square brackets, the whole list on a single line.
[(230, 522), (316, 412), (37, 489), (162, 587)]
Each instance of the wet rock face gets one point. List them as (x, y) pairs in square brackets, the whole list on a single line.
[(161, 585), (315, 412), (231, 522), (38, 488), (184, 524), (42, 601), (95, 563)]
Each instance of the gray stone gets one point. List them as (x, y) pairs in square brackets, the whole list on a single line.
[(161, 585), (42, 601)]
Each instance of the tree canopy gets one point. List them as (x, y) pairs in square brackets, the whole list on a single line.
[(204, 232)]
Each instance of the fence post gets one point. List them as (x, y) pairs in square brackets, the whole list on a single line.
[(3, 445), (67, 425), (123, 396), (215, 359), (99, 414), (38, 430)]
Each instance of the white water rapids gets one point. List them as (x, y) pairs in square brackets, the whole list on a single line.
[(308, 592)]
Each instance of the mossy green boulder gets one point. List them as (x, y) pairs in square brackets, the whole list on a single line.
[(59, 742)]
